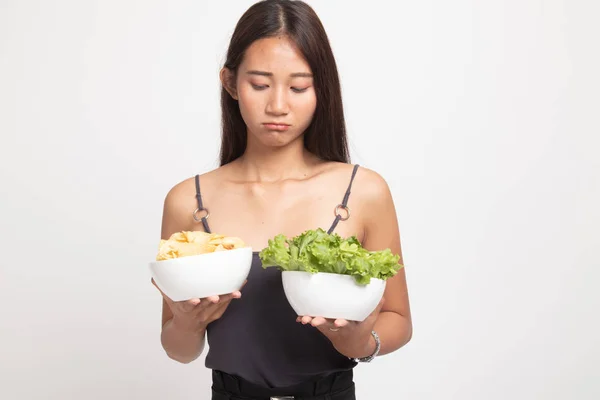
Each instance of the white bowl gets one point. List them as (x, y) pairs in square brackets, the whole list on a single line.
[(202, 275), (331, 295)]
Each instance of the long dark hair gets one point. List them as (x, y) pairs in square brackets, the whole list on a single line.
[(326, 135)]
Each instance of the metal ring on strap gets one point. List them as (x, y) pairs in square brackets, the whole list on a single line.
[(199, 219), (336, 212)]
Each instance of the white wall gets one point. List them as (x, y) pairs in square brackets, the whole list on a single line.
[(482, 116)]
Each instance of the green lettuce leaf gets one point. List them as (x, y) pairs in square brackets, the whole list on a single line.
[(317, 251)]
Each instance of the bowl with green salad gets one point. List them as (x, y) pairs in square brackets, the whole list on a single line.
[(329, 276)]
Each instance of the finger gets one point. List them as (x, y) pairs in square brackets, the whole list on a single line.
[(213, 299), (193, 302), (318, 321), (305, 319), (340, 323), (212, 302), (189, 305), (213, 311), (238, 293), (226, 298)]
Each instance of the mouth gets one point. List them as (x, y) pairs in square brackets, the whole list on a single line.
[(276, 126)]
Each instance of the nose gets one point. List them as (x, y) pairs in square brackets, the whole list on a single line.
[(278, 103)]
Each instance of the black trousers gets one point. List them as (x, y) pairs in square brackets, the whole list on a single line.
[(336, 386)]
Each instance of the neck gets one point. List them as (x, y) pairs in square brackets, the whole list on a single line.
[(265, 164)]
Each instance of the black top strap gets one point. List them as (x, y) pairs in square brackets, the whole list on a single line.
[(200, 208), (344, 204)]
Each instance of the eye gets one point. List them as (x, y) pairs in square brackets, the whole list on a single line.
[(299, 90), (259, 87)]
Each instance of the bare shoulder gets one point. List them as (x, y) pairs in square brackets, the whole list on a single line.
[(371, 201), (180, 203), (370, 192), (186, 189), (373, 196), (370, 185)]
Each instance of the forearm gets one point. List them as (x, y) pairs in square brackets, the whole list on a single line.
[(394, 331), (182, 345)]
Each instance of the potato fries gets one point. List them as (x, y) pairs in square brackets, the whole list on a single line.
[(191, 243)]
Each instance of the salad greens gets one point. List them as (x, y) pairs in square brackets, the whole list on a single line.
[(317, 251)]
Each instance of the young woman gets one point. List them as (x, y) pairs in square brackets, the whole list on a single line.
[(284, 169)]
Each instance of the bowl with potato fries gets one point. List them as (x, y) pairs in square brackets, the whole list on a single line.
[(196, 264)]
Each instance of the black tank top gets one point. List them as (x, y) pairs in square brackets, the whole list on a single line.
[(258, 338)]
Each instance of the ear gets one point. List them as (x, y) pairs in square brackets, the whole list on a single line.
[(228, 82)]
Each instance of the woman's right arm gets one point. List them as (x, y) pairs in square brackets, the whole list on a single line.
[(180, 341), (184, 322)]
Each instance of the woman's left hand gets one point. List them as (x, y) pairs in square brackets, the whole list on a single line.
[(351, 338)]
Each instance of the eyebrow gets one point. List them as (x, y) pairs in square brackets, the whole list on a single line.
[(294, 75)]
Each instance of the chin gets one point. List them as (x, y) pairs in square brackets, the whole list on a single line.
[(277, 139)]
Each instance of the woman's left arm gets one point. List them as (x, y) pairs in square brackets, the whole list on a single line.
[(394, 323), (391, 320)]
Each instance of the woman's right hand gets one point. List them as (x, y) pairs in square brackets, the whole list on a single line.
[(194, 315)]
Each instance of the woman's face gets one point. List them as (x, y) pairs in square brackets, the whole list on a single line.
[(275, 91)]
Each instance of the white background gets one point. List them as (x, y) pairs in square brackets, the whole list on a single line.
[(482, 116)]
